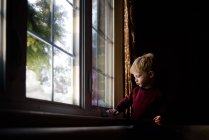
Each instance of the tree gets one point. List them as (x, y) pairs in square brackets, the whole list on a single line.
[(40, 22)]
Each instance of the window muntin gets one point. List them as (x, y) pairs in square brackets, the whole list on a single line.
[(103, 53), (52, 64)]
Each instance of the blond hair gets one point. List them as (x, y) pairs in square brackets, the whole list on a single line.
[(143, 63)]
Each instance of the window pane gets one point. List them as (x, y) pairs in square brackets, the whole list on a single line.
[(39, 17), (38, 70), (63, 25), (99, 52), (94, 13), (98, 94), (103, 53), (63, 75), (109, 19)]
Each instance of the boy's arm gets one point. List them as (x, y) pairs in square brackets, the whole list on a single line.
[(121, 106), (161, 117)]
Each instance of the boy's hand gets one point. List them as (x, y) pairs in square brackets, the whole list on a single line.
[(112, 112), (157, 120)]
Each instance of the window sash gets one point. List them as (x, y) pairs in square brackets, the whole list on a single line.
[(54, 87), (103, 53)]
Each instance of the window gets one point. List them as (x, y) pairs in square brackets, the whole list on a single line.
[(68, 62), (53, 51), (2, 43)]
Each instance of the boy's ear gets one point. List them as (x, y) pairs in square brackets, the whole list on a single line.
[(151, 74)]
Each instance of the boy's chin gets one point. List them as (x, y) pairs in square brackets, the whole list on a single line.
[(139, 85)]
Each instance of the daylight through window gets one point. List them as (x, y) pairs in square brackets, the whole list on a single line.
[(52, 69)]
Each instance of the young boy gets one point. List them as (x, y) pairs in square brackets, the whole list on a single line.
[(145, 99)]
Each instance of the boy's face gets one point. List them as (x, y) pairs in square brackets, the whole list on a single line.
[(144, 79)]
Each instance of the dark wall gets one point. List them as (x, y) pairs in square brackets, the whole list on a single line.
[(177, 32)]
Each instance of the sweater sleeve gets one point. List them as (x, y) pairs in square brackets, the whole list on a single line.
[(125, 103), (162, 108)]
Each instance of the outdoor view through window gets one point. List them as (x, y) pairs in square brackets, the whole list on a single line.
[(52, 70)]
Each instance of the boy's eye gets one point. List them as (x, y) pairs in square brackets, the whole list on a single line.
[(137, 76)]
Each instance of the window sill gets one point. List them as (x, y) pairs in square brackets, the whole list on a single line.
[(22, 118), (102, 133)]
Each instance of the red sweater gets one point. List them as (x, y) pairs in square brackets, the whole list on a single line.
[(146, 104)]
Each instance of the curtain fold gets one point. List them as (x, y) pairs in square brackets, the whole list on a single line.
[(129, 43)]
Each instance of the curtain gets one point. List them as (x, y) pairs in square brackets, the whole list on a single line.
[(129, 42)]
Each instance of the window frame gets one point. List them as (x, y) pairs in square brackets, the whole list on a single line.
[(2, 44), (15, 98)]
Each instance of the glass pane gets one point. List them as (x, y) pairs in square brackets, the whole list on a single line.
[(108, 98), (109, 74), (110, 58), (94, 14), (109, 19), (63, 77), (101, 16), (38, 69), (98, 89), (63, 25), (94, 48), (39, 17), (102, 54)]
